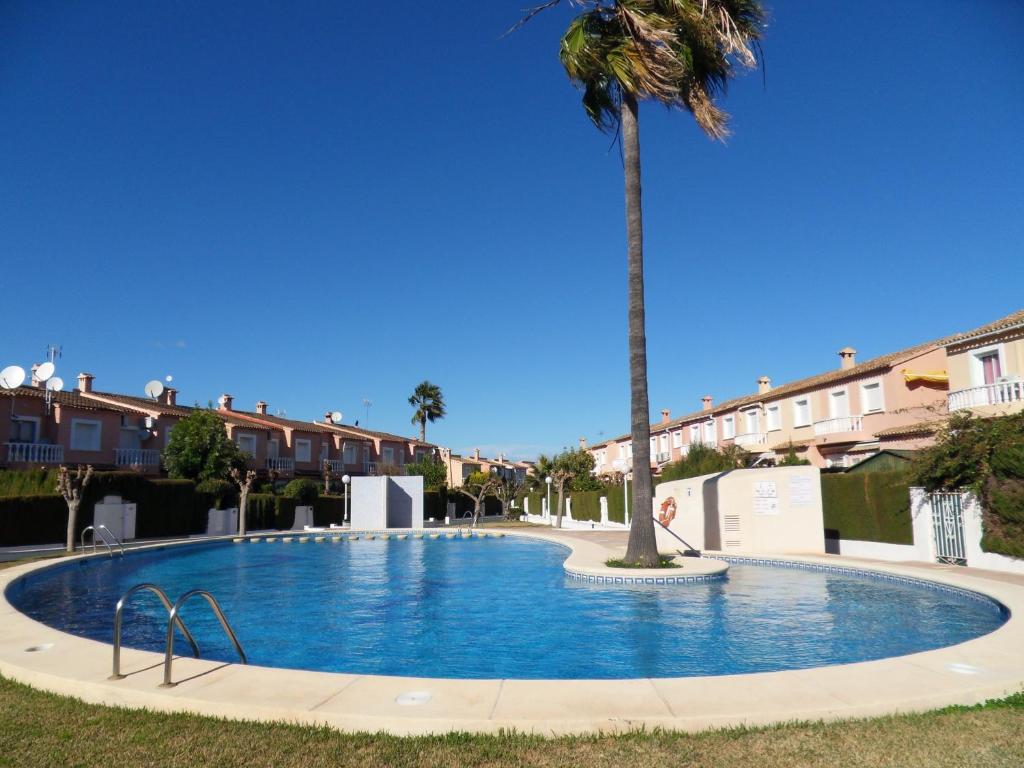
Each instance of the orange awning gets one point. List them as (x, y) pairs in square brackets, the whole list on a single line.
[(932, 377)]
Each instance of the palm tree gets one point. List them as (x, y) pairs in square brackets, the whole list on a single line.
[(429, 404), (680, 54)]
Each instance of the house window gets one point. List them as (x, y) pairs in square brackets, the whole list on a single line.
[(871, 397), (773, 417), (388, 455), (629, 450), (349, 454), (303, 450), (991, 370), (802, 412), (709, 432), (85, 435), (325, 450), (664, 443), (728, 428), (677, 439), (694, 433), (751, 422), (247, 444), (24, 430), (167, 435), (273, 446), (838, 404)]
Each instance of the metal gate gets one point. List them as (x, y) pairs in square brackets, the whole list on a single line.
[(948, 528)]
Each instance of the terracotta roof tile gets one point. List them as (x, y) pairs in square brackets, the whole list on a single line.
[(71, 398), (1011, 320), (920, 428)]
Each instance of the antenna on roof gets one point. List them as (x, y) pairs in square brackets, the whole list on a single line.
[(336, 417), (154, 389)]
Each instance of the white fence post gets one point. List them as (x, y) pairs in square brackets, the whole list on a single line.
[(921, 517), (568, 507), (603, 500), (526, 504)]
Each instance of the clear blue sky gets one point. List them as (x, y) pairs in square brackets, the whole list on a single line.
[(319, 202)]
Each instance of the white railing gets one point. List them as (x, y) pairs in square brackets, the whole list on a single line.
[(370, 467), (282, 464), (663, 457), (336, 465), (143, 457), (838, 424), (750, 438), (34, 453), (987, 394)]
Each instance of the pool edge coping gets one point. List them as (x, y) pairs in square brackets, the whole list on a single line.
[(915, 682)]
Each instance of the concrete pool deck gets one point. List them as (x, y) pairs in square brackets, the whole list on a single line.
[(990, 666)]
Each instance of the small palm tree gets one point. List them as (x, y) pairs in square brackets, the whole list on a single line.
[(680, 54), (429, 404)]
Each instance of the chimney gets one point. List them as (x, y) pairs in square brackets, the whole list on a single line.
[(706, 401), (85, 382), (170, 396), (35, 379), (764, 384), (666, 415), (847, 358), (225, 402), (583, 443), (476, 454), (261, 407), (328, 419)]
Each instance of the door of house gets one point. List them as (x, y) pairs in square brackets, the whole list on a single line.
[(272, 448), (948, 528)]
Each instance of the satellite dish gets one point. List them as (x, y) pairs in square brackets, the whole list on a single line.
[(12, 377), (45, 371), (154, 389), (169, 379), (55, 384), (336, 417)]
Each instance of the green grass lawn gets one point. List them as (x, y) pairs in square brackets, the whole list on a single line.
[(40, 729)]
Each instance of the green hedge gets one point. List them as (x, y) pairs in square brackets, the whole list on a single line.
[(264, 511), (32, 482), (328, 510), (36, 520), (435, 504), (868, 506), (586, 505)]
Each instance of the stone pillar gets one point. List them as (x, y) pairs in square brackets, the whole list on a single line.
[(921, 516)]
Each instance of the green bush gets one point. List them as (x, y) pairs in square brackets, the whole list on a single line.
[(435, 504), (868, 506), (616, 503), (704, 460), (37, 520), (31, 482), (328, 510), (224, 493), (586, 505), (303, 490)]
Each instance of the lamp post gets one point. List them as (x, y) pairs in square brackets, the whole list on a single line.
[(548, 481), (625, 498), (346, 480)]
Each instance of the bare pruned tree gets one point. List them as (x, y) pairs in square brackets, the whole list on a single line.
[(509, 488), (244, 486), (478, 486), (559, 478), (72, 488)]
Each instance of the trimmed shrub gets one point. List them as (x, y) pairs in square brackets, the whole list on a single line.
[(303, 490), (616, 503), (328, 510), (586, 505), (31, 482), (435, 504), (37, 520), (223, 493), (868, 506)]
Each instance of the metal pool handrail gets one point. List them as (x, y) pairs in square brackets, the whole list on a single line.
[(672, 533), (97, 531), (116, 675), (169, 648)]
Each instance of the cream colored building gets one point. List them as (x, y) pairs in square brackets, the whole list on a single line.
[(986, 368)]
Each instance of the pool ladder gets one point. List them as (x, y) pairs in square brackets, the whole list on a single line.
[(173, 620), (102, 533)]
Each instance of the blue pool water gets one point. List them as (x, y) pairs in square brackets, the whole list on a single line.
[(498, 608)]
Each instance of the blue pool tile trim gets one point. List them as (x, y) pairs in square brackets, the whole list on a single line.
[(621, 581)]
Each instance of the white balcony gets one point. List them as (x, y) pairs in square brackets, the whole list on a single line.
[(370, 467), (136, 457), (837, 425), (750, 438), (34, 453), (663, 458), (1000, 393), (336, 465), (281, 464)]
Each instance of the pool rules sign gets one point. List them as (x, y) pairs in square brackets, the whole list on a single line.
[(766, 497)]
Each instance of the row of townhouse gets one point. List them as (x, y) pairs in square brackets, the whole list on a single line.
[(459, 468), (111, 430), (842, 416)]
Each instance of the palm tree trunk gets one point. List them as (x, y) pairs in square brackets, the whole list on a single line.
[(642, 548), (423, 430)]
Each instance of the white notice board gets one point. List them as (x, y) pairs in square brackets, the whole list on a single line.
[(801, 490), (766, 497)]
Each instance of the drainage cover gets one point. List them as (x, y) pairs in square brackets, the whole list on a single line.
[(413, 698)]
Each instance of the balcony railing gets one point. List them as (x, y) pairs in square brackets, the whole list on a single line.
[(142, 457), (34, 453), (838, 424), (999, 393), (282, 464), (663, 458), (750, 438), (336, 465), (370, 467)]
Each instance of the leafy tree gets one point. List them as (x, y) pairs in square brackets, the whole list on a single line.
[(704, 460), (579, 463), (429, 404), (71, 487), (541, 469), (433, 472), (792, 460), (509, 488), (478, 486), (985, 456), (678, 54), (303, 490), (199, 449)]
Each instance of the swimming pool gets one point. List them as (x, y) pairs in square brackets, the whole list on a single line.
[(499, 608)]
